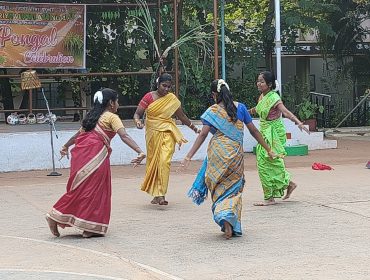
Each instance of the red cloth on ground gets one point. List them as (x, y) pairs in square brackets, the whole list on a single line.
[(368, 164), (321, 166)]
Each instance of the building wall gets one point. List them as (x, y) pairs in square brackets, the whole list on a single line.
[(32, 150)]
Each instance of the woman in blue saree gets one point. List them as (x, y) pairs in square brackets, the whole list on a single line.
[(222, 171)]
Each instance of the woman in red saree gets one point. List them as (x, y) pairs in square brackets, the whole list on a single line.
[(87, 203)]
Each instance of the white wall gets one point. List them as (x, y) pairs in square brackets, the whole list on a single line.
[(32, 150)]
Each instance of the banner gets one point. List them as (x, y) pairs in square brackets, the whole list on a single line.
[(42, 35)]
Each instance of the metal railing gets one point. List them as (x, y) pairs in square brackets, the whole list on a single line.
[(321, 99)]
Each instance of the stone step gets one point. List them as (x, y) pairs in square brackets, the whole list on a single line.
[(296, 150)]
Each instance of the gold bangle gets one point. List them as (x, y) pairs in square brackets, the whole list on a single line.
[(187, 158), (141, 154)]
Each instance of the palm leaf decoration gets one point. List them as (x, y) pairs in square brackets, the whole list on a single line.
[(196, 36)]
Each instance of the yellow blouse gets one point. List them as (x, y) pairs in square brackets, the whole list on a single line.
[(110, 121)]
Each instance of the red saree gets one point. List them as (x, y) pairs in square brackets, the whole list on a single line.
[(87, 203)]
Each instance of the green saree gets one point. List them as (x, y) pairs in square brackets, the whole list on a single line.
[(273, 175)]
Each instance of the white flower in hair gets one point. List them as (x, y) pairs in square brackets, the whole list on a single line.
[(220, 83), (277, 85), (98, 96)]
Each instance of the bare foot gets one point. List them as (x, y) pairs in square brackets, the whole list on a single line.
[(292, 186), (155, 200), (228, 230), (88, 234), (267, 202), (53, 226), (162, 200)]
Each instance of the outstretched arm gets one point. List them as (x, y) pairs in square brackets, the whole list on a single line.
[(132, 144), (197, 144), (288, 114), (64, 150), (258, 136), (138, 116), (185, 120)]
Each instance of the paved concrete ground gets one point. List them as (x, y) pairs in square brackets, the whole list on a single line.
[(321, 233)]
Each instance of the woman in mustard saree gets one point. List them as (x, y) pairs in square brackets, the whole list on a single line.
[(273, 175), (222, 171), (161, 136)]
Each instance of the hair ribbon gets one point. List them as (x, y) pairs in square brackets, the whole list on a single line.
[(98, 96), (220, 83)]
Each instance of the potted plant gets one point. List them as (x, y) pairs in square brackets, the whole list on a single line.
[(307, 112)]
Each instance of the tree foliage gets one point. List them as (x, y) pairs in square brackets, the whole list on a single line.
[(114, 45)]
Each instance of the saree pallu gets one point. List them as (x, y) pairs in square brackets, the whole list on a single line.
[(222, 172), (87, 203), (161, 136), (273, 175)]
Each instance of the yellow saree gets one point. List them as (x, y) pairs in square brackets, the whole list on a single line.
[(161, 136)]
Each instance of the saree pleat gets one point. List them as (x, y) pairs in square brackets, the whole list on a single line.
[(222, 172), (87, 203), (273, 175), (161, 136)]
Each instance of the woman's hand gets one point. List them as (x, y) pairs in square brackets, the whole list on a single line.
[(252, 111), (302, 127), (64, 152), (139, 124), (184, 164), (136, 161), (194, 128), (272, 155)]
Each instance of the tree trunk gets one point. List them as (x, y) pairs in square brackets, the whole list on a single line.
[(7, 96), (180, 8)]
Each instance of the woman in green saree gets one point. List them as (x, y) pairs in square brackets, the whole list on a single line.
[(274, 178)]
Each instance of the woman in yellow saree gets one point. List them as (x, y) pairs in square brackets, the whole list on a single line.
[(161, 136), (222, 171), (273, 175)]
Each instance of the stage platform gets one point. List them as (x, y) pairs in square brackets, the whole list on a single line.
[(27, 147)]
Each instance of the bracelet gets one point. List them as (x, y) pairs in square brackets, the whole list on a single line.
[(141, 154), (187, 158), (64, 147)]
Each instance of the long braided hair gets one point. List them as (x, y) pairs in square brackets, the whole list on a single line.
[(224, 95), (101, 102)]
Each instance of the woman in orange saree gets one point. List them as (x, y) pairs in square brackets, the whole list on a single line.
[(161, 136), (87, 203)]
